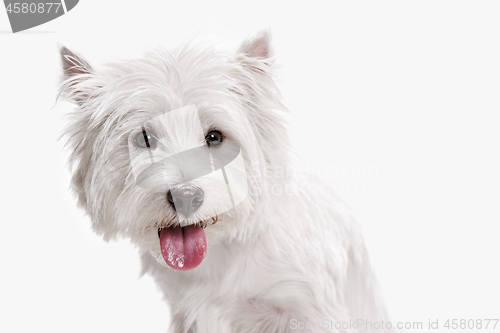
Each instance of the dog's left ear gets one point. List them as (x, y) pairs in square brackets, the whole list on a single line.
[(258, 48)]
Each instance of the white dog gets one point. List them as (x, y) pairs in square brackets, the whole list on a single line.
[(187, 154)]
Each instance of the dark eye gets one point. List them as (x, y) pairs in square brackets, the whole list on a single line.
[(213, 138), (145, 140)]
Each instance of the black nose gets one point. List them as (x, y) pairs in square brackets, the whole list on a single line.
[(185, 199)]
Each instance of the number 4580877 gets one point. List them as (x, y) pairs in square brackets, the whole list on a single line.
[(471, 324), (26, 7)]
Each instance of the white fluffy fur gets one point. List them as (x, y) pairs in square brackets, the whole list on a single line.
[(295, 254)]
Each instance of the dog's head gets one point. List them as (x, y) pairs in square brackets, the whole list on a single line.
[(176, 145)]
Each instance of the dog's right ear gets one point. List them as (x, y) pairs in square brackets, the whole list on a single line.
[(75, 71), (73, 64)]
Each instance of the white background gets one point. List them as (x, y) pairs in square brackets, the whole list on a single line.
[(409, 90)]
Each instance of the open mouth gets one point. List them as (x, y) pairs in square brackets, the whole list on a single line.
[(183, 248)]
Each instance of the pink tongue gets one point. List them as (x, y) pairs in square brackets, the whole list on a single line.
[(183, 248)]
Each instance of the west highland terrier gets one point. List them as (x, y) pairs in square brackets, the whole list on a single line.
[(187, 154)]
